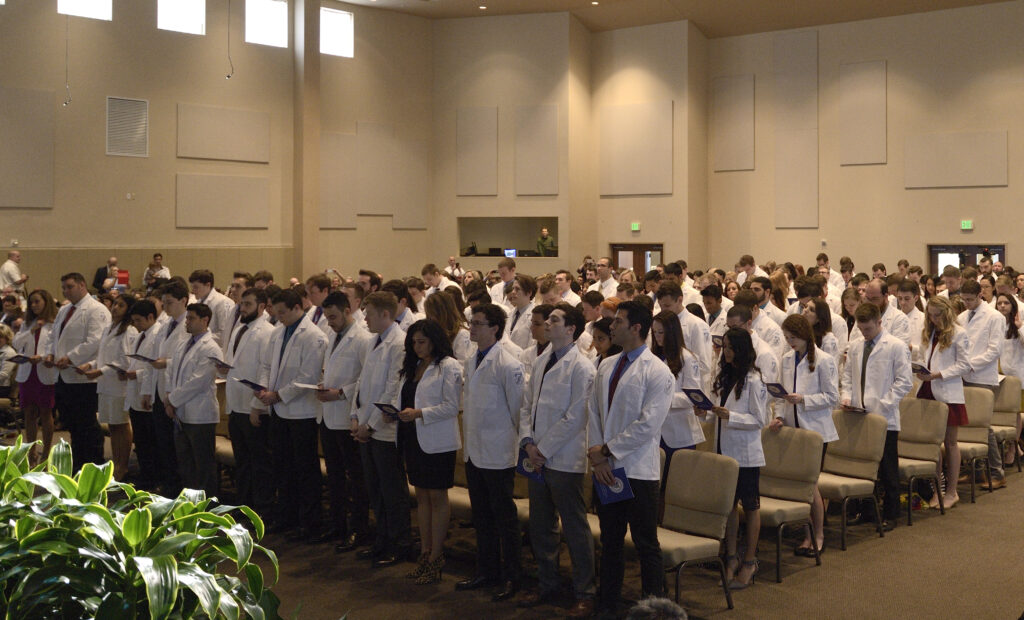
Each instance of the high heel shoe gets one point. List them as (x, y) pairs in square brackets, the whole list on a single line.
[(432, 573), (732, 562), (421, 566), (948, 502), (739, 585)]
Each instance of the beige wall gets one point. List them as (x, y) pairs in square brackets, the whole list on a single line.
[(948, 71)]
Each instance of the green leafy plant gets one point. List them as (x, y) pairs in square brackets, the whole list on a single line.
[(85, 545)]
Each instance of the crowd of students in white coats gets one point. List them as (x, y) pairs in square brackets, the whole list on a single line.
[(560, 376)]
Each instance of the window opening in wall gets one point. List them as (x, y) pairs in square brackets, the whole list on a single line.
[(95, 9), (188, 16), (266, 22), (337, 33)]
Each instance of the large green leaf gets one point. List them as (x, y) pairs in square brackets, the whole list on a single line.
[(136, 526), (257, 522), (53, 540), (242, 541), (59, 461), (172, 544), (93, 481), (254, 574), (57, 485), (160, 574), (115, 606), (273, 560), (203, 585), (99, 522)]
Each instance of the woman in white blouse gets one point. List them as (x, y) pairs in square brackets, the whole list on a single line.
[(1011, 352), (428, 436), (35, 380), (741, 414), (681, 428), (944, 353), (444, 311), (109, 366), (811, 379)]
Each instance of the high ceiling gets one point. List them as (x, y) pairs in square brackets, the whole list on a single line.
[(715, 18)]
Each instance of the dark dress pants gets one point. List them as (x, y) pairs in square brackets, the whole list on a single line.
[(640, 514), (346, 484), (254, 475), (144, 437), (77, 403), (498, 538), (388, 491), (167, 457), (296, 471)]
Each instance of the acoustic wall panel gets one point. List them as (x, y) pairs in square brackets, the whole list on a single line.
[(732, 122), (970, 159), (392, 175), (636, 149), (537, 150), (26, 148), (795, 57), (338, 180), (862, 113), (222, 201), (231, 134), (476, 152)]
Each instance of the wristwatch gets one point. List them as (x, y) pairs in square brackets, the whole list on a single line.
[(605, 451)]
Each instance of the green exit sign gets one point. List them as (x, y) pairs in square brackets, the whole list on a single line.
[(966, 224), (634, 227)]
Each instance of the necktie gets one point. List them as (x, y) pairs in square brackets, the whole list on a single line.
[(65, 321), (868, 346), (614, 383), (138, 345), (188, 347), (238, 339), (479, 358), (337, 339), (970, 317), (547, 367), (316, 315), (515, 318), (380, 339), (170, 330)]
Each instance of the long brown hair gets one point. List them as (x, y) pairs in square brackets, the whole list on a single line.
[(441, 308), (948, 319), (672, 349), (799, 326), (48, 314)]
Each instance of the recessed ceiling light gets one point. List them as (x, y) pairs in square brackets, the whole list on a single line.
[(483, 8), (595, 2)]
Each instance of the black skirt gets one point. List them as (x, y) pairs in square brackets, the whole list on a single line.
[(425, 471)]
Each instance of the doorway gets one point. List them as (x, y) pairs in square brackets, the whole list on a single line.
[(961, 256), (640, 257)]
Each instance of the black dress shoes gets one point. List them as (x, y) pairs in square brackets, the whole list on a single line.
[(349, 543), (475, 583), (508, 590)]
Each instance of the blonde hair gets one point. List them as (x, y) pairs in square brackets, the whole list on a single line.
[(6, 333), (945, 332)]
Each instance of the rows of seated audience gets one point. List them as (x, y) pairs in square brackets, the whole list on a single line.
[(544, 400)]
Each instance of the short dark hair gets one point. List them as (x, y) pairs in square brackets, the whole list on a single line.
[(573, 316), (288, 297), (494, 315), (259, 293), (74, 275), (319, 280), (742, 313), (821, 257), (401, 292), (867, 312), (909, 286), (262, 276), (143, 308), (249, 281), (338, 300), (652, 276), (381, 301), (746, 260), (712, 290), (429, 268), (200, 310), (970, 287), (878, 267), (528, 284), (593, 298), (204, 276), (543, 309), (637, 314), (155, 254), (745, 297), (673, 269), (669, 289), (765, 283), (175, 289)]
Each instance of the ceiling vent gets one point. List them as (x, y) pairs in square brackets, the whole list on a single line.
[(127, 127)]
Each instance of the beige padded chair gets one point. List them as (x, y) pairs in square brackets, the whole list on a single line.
[(1004, 415), (698, 500), (708, 426), (973, 438), (922, 429), (223, 450), (792, 464), (851, 463), (9, 406)]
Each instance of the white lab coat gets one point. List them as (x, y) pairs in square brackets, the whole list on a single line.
[(888, 379), (301, 362), (25, 344), (952, 362), (223, 310), (320, 321), (774, 313), (342, 368), (985, 334), (572, 298), (697, 338), (520, 334), (767, 361), (741, 433), (379, 382), (113, 349), (493, 396), (170, 337), (771, 334), (462, 346), (146, 344), (820, 389), (437, 395), (682, 428), (79, 341), (1011, 355), (529, 356), (915, 318), (608, 288), (631, 426), (193, 388), (248, 362), (554, 410)]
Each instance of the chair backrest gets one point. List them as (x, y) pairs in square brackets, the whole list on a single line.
[(708, 426), (1007, 403), (979, 403), (858, 450), (223, 428), (700, 493), (922, 428), (792, 463), (460, 469)]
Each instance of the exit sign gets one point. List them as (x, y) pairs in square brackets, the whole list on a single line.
[(634, 227), (966, 224)]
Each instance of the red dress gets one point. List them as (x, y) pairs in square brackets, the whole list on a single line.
[(33, 391), (957, 411)]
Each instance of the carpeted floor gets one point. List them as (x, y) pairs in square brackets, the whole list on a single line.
[(965, 564)]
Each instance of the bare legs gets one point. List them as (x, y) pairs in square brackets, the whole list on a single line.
[(36, 419), (746, 570), (120, 448), (952, 466), (432, 516), (817, 521)]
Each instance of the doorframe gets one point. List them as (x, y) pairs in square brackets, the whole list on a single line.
[(639, 249)]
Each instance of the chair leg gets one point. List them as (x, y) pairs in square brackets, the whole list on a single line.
[(988, 473), (814, 545), (878, 516), (910, 500), (778, 552), (971, 467), (725, 586), (842, 520)]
